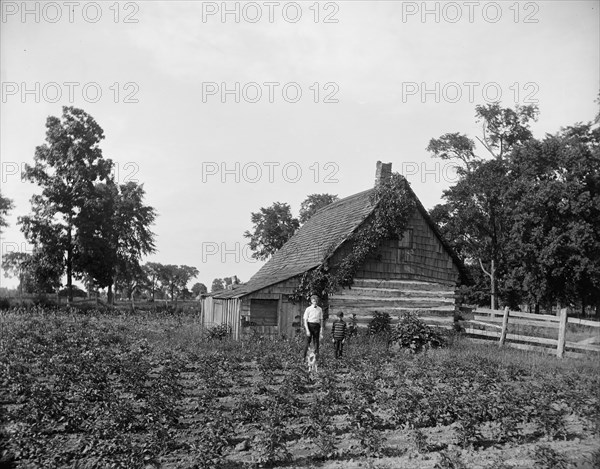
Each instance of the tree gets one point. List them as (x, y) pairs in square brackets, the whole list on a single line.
[(114, 234), (475, 219), (130, 281), (66, 168), (554, 200), (273, 226), (175, 278), (502, 130), (47, 263), (44, 270), (314, 202), (454, 146), (217, 285), (5, 206), (153, 272), (16, 264), (198, 289), (474, 216)]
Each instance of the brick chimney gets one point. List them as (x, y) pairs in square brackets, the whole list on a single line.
[(384, 172)]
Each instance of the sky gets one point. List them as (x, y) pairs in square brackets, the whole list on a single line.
[(221, 108)]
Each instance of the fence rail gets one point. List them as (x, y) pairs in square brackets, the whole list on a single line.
[(506, 327)]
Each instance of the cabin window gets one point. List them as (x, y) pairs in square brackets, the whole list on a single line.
[(407, 240), (264, 312)]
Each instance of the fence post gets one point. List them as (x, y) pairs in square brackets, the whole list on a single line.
[(562, 333), (504, 326)]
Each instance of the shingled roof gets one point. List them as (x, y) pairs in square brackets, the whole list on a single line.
[(322, 234)]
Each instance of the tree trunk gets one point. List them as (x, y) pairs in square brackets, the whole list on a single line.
[(109, 295), (132, 298), (493, 299), (69, 263), (21, 287), (492, 275)]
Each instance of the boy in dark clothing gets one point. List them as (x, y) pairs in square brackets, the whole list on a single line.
[(338, 332)]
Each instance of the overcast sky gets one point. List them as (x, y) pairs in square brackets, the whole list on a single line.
[(222, 108)]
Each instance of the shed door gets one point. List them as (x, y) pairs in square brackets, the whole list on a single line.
[(264, 312)]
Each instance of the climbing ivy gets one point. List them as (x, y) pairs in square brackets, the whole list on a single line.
[(393, 207)]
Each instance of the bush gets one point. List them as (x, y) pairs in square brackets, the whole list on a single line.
[(4, 303), (219, 332), (415, 335), (380, 324)]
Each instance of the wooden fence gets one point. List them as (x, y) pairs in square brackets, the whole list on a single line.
[(559, 334)]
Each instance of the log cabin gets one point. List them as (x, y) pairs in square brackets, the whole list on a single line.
[(418, 272)]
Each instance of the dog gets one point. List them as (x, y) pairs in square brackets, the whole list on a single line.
[(311, 360)]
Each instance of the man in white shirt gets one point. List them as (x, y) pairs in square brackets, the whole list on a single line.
[(313, 324)]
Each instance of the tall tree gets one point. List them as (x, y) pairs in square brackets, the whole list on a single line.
[(473, 214), (273, 226), (66, 168), (314, 202)]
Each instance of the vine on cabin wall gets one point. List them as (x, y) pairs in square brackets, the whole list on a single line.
[(393, 208)]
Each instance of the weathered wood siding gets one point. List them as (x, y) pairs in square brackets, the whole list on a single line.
[(286, 309), (426, 260), (216, 311)]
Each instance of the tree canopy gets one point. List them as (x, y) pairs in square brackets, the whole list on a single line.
[(529, 217), (273, 226)]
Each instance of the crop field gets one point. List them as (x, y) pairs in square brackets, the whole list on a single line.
[(96, 390)]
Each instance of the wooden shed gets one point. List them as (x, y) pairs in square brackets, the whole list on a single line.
[(419, 272)]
